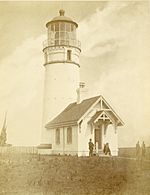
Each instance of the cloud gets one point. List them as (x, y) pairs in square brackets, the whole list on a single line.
[(22, 66), (104, 47), (21, 89), (118, 43), (108, 29)]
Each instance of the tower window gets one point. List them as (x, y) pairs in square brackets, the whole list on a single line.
[(69, 135), (45, 56), (57, 136), (69, 55)]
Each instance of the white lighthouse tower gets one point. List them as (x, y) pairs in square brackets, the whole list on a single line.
[(61, 52)]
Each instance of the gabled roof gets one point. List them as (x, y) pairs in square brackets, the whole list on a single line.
[(75, 112), (72, 113), (95, 116), (107, 114)]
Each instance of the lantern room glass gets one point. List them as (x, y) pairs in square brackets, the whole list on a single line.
[(62, 33)]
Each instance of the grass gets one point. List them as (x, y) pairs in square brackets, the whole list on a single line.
[(67, 175)]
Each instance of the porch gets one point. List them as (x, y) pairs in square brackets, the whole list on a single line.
[(104, 130)]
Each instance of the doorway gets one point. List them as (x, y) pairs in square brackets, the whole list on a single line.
[(98, 138)]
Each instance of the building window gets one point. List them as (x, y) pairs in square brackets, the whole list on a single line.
[(69, 55), (57, 136), (69, 135)]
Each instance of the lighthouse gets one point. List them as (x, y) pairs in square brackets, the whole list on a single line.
[(69, 123), (61, 53)]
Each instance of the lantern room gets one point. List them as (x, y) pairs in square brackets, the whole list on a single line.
[(62, 32)]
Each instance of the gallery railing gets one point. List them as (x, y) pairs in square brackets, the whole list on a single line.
[(61, 42)]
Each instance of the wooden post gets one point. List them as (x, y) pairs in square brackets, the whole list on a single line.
[(63, 139)]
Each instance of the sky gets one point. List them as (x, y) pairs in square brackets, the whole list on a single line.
[(115, 39)]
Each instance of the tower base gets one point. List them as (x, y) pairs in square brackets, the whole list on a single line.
[(45, 149)]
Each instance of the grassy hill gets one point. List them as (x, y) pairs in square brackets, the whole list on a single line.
[(66, 175)]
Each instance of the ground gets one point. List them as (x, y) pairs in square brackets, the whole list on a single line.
[(22, 174)]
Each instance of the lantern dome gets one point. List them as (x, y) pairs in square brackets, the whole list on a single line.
[(61, 18)]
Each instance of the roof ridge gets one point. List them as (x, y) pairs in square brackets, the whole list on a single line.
[(87, 99), (66, 109)]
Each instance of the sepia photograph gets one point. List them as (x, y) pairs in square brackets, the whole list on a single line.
[(74, 97)]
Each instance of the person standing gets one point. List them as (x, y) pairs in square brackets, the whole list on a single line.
[(91, 147), (143, 150), (107, 149), (138, 150), (104, 149)]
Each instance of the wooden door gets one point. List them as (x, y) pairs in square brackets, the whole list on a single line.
[(98, 138)]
